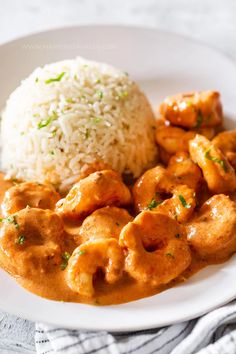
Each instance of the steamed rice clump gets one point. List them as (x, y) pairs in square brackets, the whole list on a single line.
[(76, 112)]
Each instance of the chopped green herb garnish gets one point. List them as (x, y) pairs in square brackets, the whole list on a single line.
[(52, 152), (184, 203), (53, 133), (15, 181), (65, 258), (98, 81), (122, 94), (117, 224), (170, 255), (11, 219), (81, 252), (64, 264), (199, 119), (97, 120), (22, 133), (153, 204), (37, 79), (55, 79), (177, 235), (87, 133), (44, 123), (222, 163), (100, 94), (21, 240), (69, 100), (189, 103), (15, 222)]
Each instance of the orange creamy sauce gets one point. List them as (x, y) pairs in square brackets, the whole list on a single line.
[(53, 285)]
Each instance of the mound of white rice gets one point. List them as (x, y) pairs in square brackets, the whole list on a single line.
[(76, 112)]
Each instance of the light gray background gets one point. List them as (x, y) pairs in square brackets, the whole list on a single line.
[(210, 21)]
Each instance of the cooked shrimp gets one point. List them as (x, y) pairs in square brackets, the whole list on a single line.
[(157, 249), (185, 170), (232, 196), (87, 259), (95, 191), (86, 170), (212, 231), (157, 190), (147, 188), (164, 156), (173, 139), (226, 142), (104, 223), (161, 122), (217, 171), (181, 205), (33, 194), (30, 242), (193, 110), (208, 132)]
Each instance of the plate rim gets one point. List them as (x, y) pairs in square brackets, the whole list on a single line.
[(121, 26), (115, 328)]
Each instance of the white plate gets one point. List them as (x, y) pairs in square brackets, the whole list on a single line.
[(163, 64)]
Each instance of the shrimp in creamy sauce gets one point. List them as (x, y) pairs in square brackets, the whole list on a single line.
[(217, 171), (105, 242), (212, 231), (95, 191), (87, 259), (182, 167), (226, 142), (32, 194), (158, 190), (157, 249), (193, 110), (104, 223), (31, 242)]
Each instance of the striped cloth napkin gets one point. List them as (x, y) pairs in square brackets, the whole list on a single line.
[(214, 333)]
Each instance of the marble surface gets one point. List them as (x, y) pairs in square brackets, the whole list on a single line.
[(210, 21)]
